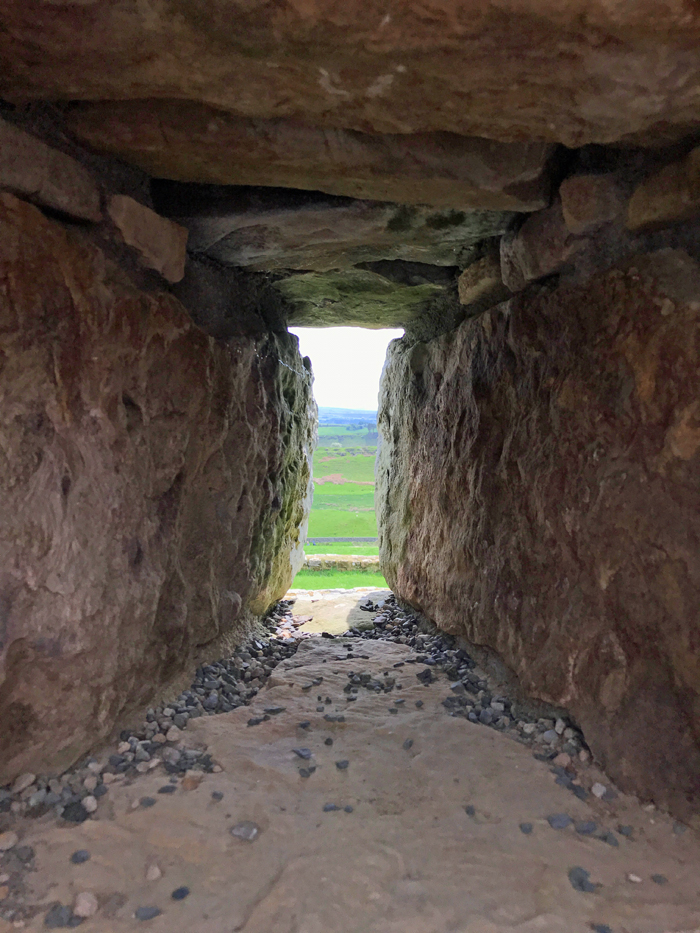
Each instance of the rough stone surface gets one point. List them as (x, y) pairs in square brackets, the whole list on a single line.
[(161, 244), (393, 851), (576, 71), (540, 247), (153, 488), (589, 201), (272, 229), (31, 168), (481, 286), (668, 196), (206, 145), (537, 493)]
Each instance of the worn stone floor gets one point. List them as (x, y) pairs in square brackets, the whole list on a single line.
[(432, 844), (333, 611)]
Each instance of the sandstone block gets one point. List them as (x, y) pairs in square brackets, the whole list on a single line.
[(556, 500), (669, 196), (542, 246), (161, 243), (589, 201), (481, 286), (32, 169), (140, 487)]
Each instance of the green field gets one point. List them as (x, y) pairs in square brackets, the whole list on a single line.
[(351, 466), (362, 550), (338, 523), (332, 579)]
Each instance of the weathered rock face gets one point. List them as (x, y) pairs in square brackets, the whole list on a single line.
[(537, 493), (575, 72), (153, 488)]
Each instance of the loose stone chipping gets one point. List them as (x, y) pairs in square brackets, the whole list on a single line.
[(400, 781)]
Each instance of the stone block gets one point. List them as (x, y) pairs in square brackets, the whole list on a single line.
[(31, 169), (589, 201), (481, 286), (161, 243), (542, 246), (669, 196)]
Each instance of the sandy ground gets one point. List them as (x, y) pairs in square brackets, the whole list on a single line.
[(409, 858), (334, 611)]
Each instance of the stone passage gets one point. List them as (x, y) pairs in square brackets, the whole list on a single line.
[(351, 795)]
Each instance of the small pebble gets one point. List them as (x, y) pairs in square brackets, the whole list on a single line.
[(153, 872), (585, 827), (147, 913), (304, 753), (147, 802), (679, 829), (559, 820), (304, 725), (8, 841), (59, 917), (601, 928), (580, 880), (408, 744), (348, 809), (625, 830), (329, 807), (610, 838), (659, 879), (526, 828), (342, 765), (167, 789), (217, 795), (85, 905), (75, 813), (80, 856), (598, 790), (328, 741), (419, 704), (179, 894), (246, 830), (634, 879), (89, 803), (470, 810)]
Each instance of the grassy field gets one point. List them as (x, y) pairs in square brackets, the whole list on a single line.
[(338, 523), (351, 466), (332, 579), (362, 550)]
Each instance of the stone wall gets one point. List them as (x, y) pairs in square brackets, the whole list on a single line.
[(154, 484), (538, 494)]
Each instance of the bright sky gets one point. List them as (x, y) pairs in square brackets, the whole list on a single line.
[(347, 363)]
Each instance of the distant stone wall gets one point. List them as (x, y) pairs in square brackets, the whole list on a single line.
[(348, 562)]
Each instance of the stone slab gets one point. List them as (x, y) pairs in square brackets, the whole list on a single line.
[(30, 168), (161, 243), (669, 196), (407, 859)]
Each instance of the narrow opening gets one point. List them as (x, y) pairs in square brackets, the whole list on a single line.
[(342, 551)]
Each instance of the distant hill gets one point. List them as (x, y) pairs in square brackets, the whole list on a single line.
[(347, 416)]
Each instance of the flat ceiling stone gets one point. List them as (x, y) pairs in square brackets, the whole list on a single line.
[(273, 229), (571, 71), (191, 142)]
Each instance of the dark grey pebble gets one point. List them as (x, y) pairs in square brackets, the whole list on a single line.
[(419, 704), (320, 699), (275, 710), (399, 664), (328, 741), (304, 753), (320, 709), (80, 856), (470, 810), (342, 765), (408, 744), (581, 880), (526, 828), (24, 853), (393, 710), (147, 802), (256, 721), (100, 790), (304, 772), (559, 820), (610, 838), (586, 827), (179, 894), (60, 918), (245, 830), (75, 813), (147, 913), (305, 724), (601, 928), (348, 809), (398, 702), (579, 791), (659, 879), (329, 807), (330, 718), (167, 789), (217, 795), (625, 830)]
